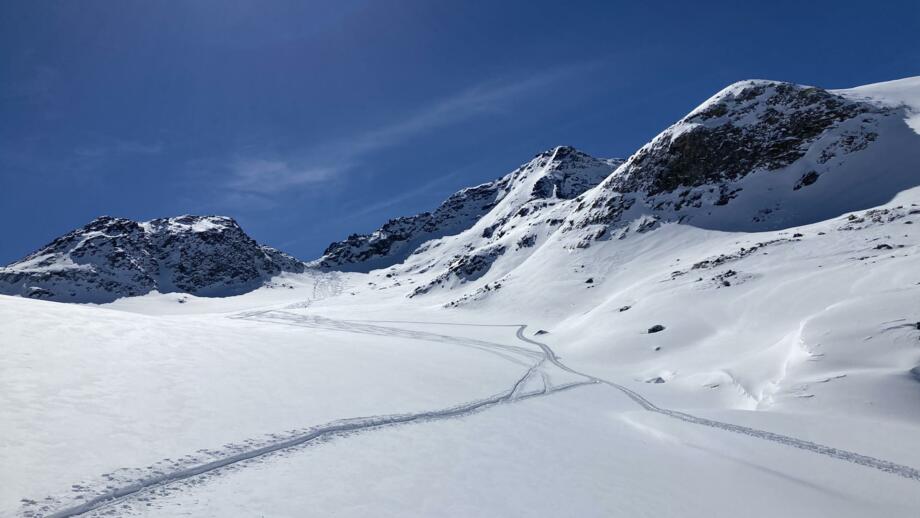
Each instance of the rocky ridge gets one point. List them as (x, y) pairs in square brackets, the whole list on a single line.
[(557, 174), (116, 257)]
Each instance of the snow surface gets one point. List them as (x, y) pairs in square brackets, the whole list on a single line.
[(900, 93), (785, 380)]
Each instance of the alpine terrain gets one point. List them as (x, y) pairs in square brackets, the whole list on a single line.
[(725, 323)]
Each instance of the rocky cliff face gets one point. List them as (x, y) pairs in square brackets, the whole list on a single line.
[(793, 132), (114, 257), (750, 126), (399, 237)]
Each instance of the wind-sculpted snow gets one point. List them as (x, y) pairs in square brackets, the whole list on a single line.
[(114, 257)]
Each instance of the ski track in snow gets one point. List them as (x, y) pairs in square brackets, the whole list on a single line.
[(515, 393), (334, 428), (837, 453)]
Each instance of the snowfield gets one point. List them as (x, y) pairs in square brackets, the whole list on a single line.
[(677, 364)]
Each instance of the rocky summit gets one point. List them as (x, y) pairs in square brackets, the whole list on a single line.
[(115, 257), (557, 174)]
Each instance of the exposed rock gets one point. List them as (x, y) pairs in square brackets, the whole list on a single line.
[(563, 173), (115, 257), (464, 268), (749, 127), (807, 179)]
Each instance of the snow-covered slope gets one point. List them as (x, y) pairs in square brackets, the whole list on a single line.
[(114, 257), (557, 174)]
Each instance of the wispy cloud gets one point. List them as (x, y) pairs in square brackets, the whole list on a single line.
[(392, 201), (262, 176), (268, 174), (491, 97)]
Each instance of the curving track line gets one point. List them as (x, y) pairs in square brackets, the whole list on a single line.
[(331, 429), (786, 440), (513, 394)]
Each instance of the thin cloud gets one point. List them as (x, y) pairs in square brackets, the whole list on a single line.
[(396, 200), (481, 99), (332, 159), (271, 176)]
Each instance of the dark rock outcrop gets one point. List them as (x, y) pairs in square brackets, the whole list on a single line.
[(114, 257)]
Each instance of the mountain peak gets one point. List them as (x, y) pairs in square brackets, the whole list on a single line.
[(562, 172), (107, 222), (558, 154), (113, 257), (761, 155), (565, 172), (191, 223)]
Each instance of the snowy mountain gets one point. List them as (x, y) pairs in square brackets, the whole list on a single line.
[(727, 316), (558, 174), (114, 257), (762, 155), (759, 155)]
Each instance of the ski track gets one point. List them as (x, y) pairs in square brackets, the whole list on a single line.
[(325, 431), (333, 286), (837, 453)]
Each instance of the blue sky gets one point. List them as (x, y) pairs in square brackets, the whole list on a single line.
[(307, 121)]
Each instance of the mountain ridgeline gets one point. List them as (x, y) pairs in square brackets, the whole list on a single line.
[(558, 174), (113, 257), (757, 156)]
